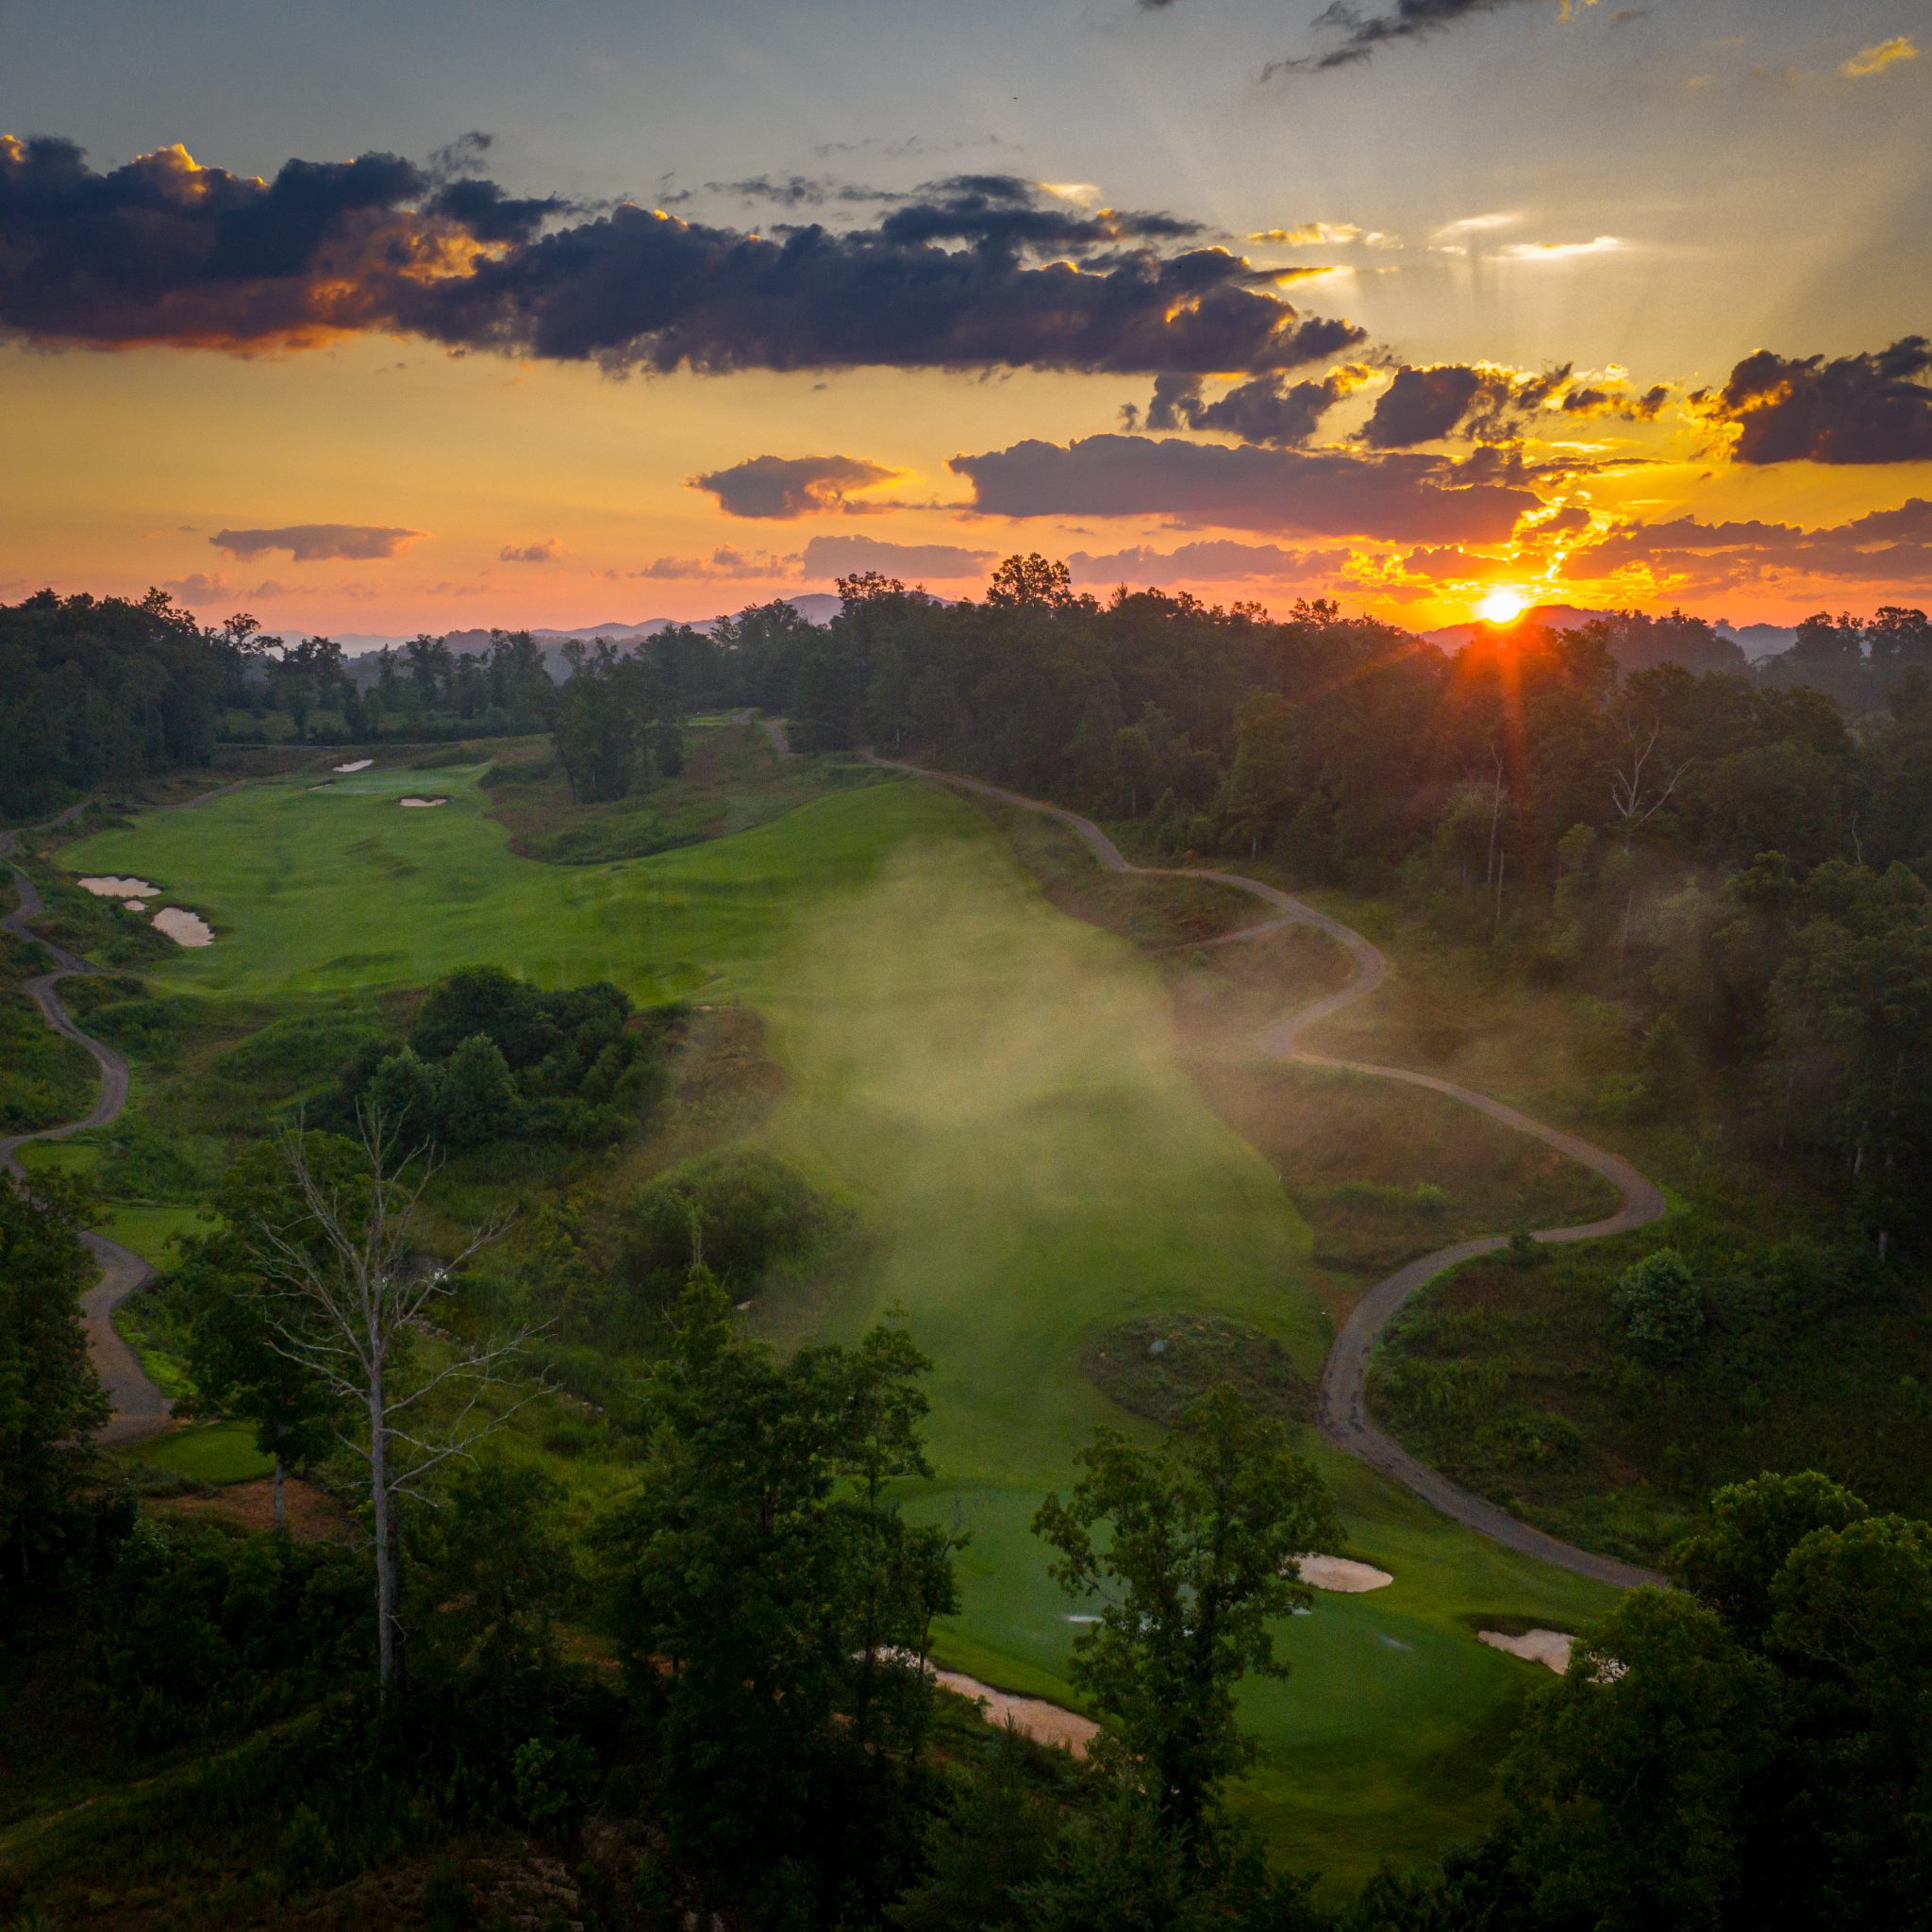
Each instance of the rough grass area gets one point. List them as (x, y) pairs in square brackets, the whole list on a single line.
[(732, 780), (1156, 1366), (1383, 1173), (1224, 995), (1515, 1379), (1154, 912), (44, 1077)]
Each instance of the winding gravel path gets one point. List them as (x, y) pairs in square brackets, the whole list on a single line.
[(1343, 1412), (139, 1408)]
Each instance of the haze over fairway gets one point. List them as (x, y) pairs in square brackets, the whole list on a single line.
[(994, 1086)]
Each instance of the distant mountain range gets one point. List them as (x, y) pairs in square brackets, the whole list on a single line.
[(1755, 639), (815, 606)]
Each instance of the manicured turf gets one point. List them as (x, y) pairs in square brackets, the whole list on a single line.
[(995, 1086), (215, 1453)]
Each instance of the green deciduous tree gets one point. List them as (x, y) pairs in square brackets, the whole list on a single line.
[(50, 1401), (1196, 1562), (776, 1608)]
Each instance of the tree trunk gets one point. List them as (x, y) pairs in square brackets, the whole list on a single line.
[(385, 1540), (278, 1489)]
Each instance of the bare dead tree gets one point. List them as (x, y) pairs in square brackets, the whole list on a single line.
[(1635, 793), (350, 1298)]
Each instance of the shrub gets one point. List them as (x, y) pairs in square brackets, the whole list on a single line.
[(1658, 1308), (555, 1783), (746, 1211)]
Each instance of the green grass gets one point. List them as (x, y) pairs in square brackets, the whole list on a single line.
[(998, 1089), (60, 1156), (151, 1231), (214, 1452)]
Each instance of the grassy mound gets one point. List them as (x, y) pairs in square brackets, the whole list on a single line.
[(1156, 1365)]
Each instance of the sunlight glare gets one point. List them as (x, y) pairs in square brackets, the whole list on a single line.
[(1502, 608)]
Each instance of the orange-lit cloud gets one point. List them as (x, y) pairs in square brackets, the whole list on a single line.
[(1875, 59)]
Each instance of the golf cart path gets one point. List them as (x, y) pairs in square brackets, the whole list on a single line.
[(1343, 1413), (138, 1410)]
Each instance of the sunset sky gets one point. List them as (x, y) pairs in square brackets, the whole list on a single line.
[(383, 318)]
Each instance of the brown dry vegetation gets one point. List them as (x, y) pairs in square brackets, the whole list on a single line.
[(1383, 1173)]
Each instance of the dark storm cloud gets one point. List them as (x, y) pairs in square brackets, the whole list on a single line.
[(1408, 19), (484, 212), (1420, 405), (1603, 400), (1482, 404), (316, 542), (786, 486), (1404, 498), (1864, 408), (1005, 213), (162, 251), (1267, 409)]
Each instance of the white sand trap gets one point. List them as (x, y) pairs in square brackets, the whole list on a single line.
[(421, 803), (107, 887), (353, 765), (1045, 1723), (1550, 1648), (1342, 1574), (184, 928)]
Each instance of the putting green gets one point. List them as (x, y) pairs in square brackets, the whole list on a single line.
[(994, 1086)]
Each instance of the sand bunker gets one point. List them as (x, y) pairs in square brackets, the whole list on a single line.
[(1550, 1648), (355, 765), (1045, 1723), (107, 887), (1341, 1573), (421, 802), (184, 928)]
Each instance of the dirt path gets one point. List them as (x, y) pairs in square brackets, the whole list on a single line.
[(773, 729), (139, 1408), (1343, 1413)]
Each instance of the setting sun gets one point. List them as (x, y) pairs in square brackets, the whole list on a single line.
[(1502, 607)]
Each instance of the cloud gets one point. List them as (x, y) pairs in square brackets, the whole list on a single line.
[(271, 588), (1409, 20), (840, 557), (1613, 398), (1402, 498), (1562, 251), (197, 587), (725, 563), (983, 271), (1217, 559), (1891, 546), (1860, 408), (1267, 409), (1307, 234), (316, 542), (787, 487), (1481, 402), (1875, 59), (544, 552)]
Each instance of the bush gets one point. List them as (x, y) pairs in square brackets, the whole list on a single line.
[(554, 1784), (744, 1210), (1658, 1308)]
